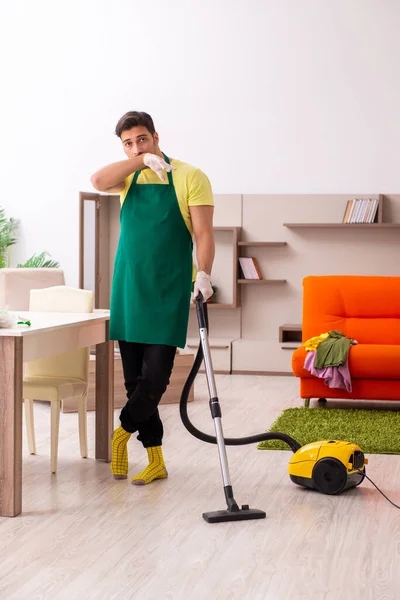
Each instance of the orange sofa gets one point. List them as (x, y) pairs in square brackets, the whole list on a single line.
[(367, 309)]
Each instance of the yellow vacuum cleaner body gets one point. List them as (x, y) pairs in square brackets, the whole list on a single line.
[(330, 466)]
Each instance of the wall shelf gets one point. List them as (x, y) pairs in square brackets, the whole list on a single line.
[(242, 245), (261, 281), (377, 224), (290, 336), (290, 332)]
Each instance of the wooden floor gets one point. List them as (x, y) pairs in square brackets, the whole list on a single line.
[(83, 535)]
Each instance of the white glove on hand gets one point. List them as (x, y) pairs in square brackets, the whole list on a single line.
[(203, 285), (157, 164)]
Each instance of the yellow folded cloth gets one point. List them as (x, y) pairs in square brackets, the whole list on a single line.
[(314, 342)]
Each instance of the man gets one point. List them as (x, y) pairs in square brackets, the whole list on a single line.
[(164, 202)]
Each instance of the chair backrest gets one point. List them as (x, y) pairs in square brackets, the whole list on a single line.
[(61, 299), (363, 307), (16, 284)]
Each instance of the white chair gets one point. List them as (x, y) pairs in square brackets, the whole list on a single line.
[(58, 377)]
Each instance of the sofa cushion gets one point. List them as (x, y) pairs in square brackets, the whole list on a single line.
[(366, 361)]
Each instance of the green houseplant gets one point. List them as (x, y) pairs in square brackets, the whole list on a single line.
[(40, 261), (8, 230), (8, 237)]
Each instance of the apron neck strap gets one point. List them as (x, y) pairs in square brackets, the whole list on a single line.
[(137, 173)]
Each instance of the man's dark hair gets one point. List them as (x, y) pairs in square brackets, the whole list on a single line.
[(134, 119)]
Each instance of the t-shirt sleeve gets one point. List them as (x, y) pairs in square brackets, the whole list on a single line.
[(128, 181), (200, 191)]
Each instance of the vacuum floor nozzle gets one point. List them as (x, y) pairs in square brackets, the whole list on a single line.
[(243, 514)]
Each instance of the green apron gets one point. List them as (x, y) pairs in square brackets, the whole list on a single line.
[(150, 297)]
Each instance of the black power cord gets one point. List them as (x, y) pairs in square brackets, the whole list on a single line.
[(380, 491)]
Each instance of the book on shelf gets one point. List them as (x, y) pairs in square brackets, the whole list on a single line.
[(250, 268), (361, 210)]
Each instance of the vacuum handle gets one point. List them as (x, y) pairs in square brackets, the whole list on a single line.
[(201, 317)]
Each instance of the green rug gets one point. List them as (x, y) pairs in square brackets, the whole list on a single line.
[(375, 431)]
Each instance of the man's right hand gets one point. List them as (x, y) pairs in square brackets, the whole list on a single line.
[(157, 164)]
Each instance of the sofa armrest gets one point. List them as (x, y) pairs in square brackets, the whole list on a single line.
[(298, 358)]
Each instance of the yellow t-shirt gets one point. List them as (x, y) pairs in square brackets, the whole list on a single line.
[(192, 187)]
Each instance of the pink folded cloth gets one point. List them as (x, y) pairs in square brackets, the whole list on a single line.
[(334, 377)]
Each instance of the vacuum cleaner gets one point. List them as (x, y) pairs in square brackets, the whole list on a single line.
[(330, 466)]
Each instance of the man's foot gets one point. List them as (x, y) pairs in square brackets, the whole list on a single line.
[(119, 457), (154, 470)]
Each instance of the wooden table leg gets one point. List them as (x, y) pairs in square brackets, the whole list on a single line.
[(10, 426), (104, 397)]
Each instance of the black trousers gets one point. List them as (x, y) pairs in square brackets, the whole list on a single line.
[(147, 370)]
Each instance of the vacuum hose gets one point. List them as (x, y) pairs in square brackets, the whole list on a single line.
[(204, 437)]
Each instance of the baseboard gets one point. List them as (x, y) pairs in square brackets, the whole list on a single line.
[(216, 372), (269, 373)]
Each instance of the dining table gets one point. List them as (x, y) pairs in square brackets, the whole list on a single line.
[(36, 335)]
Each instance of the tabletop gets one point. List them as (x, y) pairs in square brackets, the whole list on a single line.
[(48, 321)]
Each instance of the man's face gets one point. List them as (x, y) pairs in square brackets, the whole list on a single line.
[(139, 140)]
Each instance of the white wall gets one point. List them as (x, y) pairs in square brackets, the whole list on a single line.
[(267, 96)]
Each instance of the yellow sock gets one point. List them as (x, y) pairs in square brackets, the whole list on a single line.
[(154, 470), (119, 456)]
